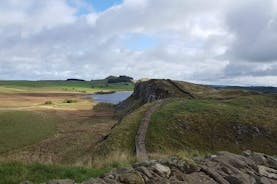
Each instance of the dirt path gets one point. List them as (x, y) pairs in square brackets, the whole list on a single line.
[(141, 152)]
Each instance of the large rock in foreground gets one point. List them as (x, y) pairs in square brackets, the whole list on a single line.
[(223, 168)]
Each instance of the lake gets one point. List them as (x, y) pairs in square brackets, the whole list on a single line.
[(113, 98)]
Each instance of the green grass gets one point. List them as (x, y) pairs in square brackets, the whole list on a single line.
[(14, 173), (63, 86), (122, 137), (21, 128), (211, 125)]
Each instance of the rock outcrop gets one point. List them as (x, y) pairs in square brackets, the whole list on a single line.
[(222, 168), (156, 89)]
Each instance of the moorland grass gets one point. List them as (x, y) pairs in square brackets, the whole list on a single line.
[(21, 128), (212, 125), (14, 173)]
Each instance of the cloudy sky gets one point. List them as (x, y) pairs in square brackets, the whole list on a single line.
[(231, 42)]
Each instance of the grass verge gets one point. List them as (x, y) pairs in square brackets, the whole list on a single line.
[(14, 173)]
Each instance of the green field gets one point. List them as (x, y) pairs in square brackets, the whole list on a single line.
[(21, 128), (63, 86), (14, 173)]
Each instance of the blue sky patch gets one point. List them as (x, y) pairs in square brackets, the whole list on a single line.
[(102, 5), (87, 6), (140, 42)]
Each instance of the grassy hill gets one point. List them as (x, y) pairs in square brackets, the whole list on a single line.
[(211, 125), (154, 89), (207, 121)]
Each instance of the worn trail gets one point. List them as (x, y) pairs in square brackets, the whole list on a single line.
[(141, 152)]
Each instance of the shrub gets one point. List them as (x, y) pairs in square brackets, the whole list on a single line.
[(48, 103), (69, 101)]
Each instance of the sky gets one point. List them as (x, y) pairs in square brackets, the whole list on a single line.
[(227, 42)]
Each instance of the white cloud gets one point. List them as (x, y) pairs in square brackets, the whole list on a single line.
[(211, 41)]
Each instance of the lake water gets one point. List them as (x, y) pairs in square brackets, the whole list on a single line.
[(113, 98)]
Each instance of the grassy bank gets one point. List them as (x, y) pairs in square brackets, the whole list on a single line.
[(120, 144), (14, 173)]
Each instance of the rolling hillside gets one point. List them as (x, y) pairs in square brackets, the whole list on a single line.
[(195, 118)]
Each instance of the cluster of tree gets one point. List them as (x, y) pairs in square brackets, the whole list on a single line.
[(121, 78), (75, 80)]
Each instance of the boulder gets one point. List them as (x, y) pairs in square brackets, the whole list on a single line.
[(26, 182), (267, 172), (131, 178), (64, 181), (162, 170)]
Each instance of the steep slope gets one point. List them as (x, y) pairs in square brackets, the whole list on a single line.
[(155, 89), (195, 118)]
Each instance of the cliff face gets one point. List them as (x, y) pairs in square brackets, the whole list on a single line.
[(156, 89), (150, 91)]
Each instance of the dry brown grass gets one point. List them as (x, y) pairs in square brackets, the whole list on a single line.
[(82, 125), (113, 159), (37, 101)]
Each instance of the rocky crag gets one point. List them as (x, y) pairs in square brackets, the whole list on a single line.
[(157, 89), (222, 168)]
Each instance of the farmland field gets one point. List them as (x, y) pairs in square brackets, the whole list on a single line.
[(53, 121), (62, 86)]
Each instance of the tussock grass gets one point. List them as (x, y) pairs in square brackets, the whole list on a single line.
[(14, 173), (114, 159), (211, 125), (122, 137), (190, 156), (21, 128)]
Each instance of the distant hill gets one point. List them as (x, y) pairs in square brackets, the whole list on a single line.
[(121, 78), (261, 89)]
